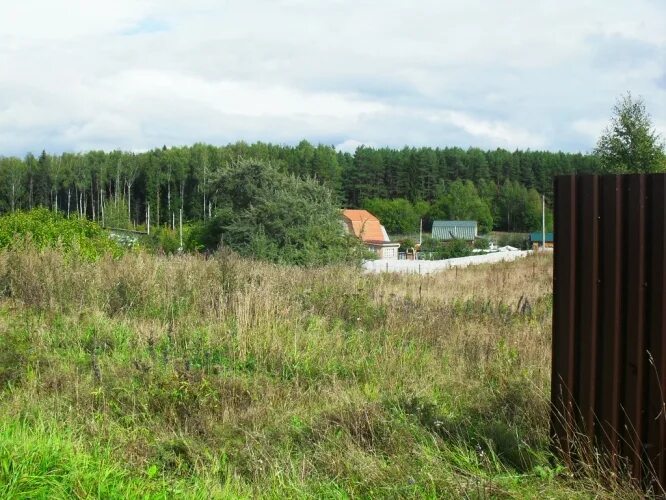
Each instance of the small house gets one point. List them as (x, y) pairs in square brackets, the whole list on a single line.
[(369, 230), (536, 240), (447, 230)]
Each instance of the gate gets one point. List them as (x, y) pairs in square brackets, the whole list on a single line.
[(609, 319)]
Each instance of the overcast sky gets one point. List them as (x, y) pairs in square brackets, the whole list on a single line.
[(85, 74)]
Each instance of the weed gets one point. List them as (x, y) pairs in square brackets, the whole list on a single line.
[(185, 376)]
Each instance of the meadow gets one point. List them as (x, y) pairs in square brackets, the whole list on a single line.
[(144, 376)]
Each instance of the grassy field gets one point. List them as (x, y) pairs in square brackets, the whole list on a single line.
[(168, 377)]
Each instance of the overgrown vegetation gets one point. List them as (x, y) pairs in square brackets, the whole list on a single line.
[(432, 249), (190, 377), (43, 228)]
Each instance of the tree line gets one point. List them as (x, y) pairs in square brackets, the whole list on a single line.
[(171, 179), (500, 189)]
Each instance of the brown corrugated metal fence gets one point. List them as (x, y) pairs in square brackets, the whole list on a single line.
[(609, 319)]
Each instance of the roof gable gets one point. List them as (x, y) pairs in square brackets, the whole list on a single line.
[(365, 226)]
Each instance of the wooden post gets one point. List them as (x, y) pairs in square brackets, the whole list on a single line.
[(148, 219)]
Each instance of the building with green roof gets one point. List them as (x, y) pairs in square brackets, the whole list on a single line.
[(536, 238), (447, 230)]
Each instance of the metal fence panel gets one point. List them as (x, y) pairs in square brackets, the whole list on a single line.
[(609, 319)]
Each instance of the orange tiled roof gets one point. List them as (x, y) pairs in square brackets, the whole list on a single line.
[(364, 225)]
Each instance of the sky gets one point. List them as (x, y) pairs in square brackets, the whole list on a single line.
[(77, 75)]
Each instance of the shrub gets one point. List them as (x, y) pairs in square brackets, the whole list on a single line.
[(438, 250), (164, 240), (46, 229), (204, 235), (406, 244), (517, 240), (482, 243), (456, 248)]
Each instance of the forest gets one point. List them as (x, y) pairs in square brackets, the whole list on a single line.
[(502, 189)]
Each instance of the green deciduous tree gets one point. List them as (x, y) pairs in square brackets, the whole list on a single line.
[(274, 216), (397, 216), (630, 142), (519, 208), (12, 175), (460, 200)]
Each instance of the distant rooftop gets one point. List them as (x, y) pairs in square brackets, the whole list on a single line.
[(365, 226), (538, 237), (454, 223), (454, 230)]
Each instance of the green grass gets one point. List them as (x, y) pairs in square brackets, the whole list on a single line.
[(165, 377)]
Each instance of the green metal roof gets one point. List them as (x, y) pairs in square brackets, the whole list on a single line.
[(538, 236), (457, 223), (454, 229)]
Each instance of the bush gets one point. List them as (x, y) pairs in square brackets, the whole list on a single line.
[(517, 240), (456, 248), (433, 249), (163, 239), (482, 243), (406, 244), (46, 229)]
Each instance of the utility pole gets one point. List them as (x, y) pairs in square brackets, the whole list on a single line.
[(543, 221)]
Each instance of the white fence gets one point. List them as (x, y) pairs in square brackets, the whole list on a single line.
[(432, 266)]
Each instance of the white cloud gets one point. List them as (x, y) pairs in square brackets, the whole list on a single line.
[(590, 128), (68, 19), (495, 132), (78, 74), (351, 145)]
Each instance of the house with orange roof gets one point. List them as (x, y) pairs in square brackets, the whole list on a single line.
[(370, 231)]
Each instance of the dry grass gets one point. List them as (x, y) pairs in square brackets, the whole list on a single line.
[(226, 377)]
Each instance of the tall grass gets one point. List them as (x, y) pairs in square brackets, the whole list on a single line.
[(181, 376)]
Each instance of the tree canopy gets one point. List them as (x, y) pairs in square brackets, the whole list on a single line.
[(630, 144), (264, 213), (461, 201), (102, 185), (398, 216), (400, 185)]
